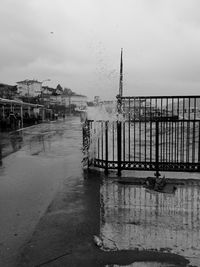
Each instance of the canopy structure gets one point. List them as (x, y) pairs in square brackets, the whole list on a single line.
[(20, 103), (22, 108)]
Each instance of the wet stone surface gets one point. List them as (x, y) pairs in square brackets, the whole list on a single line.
[(144, 264), (133, 217)]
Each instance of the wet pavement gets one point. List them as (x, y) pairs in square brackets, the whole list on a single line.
[(133, 217), (32, 169), (50, 209)]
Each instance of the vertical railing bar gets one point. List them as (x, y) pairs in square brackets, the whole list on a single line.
[(195, 106), (94, 140), (145, 131), (189, 108), (157, 148), (94, 143), (194, 133), (157, 114), (102, 140), (183, 131), (172, 142), (167, 126), (164, 132), (124, 139), (106, 147), (98, 142), (170, 132), (188, 133), (150, 130), (129, 133), (90, 140), (183, 108), (161, 131), (178, 132), (175, 138), (119, 143), (140, 117), (134, 127), (193, 142), (181, 144), (199, 148), (113, 139)]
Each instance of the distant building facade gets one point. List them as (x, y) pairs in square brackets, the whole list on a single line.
[(29, 88)]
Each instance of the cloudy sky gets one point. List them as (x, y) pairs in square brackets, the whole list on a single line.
[(77, 43)]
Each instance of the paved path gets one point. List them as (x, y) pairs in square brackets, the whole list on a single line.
[(31, 174)]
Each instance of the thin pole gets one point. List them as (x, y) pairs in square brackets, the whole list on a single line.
[(157, 150), (119, 96), (119, 140), (106, 147), (121, 75)]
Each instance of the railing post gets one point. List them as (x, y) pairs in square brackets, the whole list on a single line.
[(86, 143), (88, 147), (199, 149), (119, 146), (157, 174), (106, 147)]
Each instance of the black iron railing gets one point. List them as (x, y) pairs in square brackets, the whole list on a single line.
[(154, 133)]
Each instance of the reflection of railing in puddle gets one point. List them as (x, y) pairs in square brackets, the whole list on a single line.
[(134, 218), (143, 264), (39, 144)]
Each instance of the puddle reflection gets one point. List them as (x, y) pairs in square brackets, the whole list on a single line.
[(144, 264), (134, 218), (43, 139)]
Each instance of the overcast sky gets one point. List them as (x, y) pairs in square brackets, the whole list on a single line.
[(77, 43)]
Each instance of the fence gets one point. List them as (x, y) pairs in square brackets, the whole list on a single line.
[(154, 133)]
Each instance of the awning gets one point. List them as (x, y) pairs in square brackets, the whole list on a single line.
[(19, 103)]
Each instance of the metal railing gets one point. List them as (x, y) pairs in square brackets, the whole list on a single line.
[(155, 133)]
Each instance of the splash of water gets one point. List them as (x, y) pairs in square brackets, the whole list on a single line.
[(101, 113)]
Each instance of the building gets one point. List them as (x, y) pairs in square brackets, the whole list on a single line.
[(56, 99), (46, 95), (29, 88)]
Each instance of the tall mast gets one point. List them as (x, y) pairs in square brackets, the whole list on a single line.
[(121, 75)]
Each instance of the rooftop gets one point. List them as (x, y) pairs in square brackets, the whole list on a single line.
[(28, 82)]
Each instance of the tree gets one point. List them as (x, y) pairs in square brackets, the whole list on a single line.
[(68, 92), (59, 88)]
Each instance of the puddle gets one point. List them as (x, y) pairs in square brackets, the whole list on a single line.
[(144, 264), (136, 219)]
